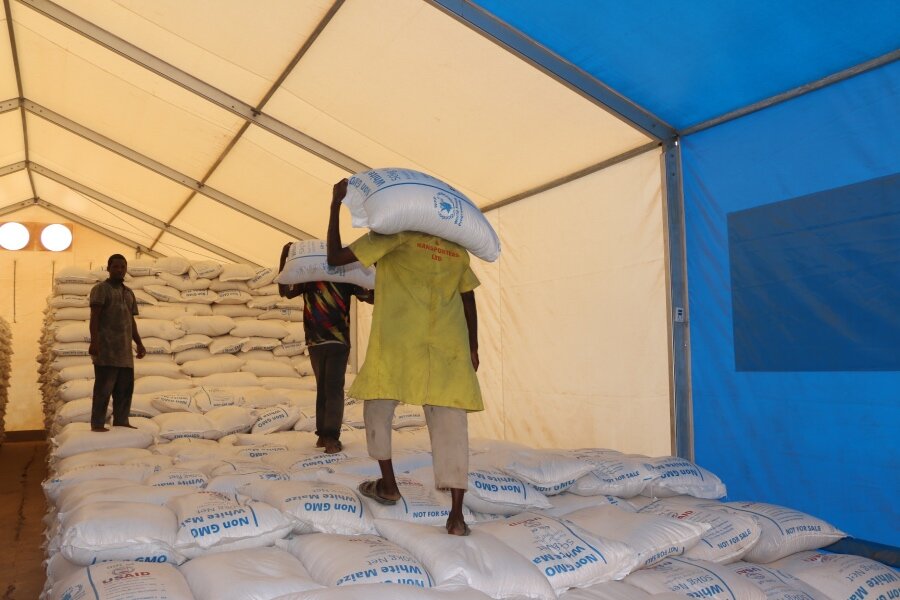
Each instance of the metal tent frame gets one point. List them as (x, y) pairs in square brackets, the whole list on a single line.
[(474, 17)]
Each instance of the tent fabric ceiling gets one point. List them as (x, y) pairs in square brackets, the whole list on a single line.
[(221, 132), (688, 63), (135, 115)]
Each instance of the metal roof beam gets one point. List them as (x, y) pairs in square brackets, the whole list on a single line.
[(161, 169), (572, 176), (555, 66), (259, 107), (16, 207), (137, 214), (14, 51), (10, 105), (193, 84), (320, 27), (13, 168), (99, 229), (79, 220), (797, 91)]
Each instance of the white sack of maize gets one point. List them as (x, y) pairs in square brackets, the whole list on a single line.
[(394, 200)]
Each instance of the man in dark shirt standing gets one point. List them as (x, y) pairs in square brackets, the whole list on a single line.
[(326, 324), (112, 326)]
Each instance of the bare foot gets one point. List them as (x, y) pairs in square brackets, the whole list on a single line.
[(128, 425), (456, 525), (99, 429)]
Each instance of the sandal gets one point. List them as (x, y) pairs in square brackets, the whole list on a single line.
[(369, 489)]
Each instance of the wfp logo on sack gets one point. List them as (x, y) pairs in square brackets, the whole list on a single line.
[(447, 207), (444, 205)]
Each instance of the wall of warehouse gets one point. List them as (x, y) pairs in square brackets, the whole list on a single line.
[(26, 280), (572, 318), (792, 216)]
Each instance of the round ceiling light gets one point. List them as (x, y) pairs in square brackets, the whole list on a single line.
[(56, 237), (14, 236)]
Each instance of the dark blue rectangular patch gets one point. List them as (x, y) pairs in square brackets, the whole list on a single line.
[(815, 281)]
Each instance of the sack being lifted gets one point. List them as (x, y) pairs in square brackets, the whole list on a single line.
[(394, 200), (307, 260)]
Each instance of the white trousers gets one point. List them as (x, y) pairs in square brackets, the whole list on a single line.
[(448, 429)]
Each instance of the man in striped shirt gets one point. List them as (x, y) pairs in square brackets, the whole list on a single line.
[(326, 323)]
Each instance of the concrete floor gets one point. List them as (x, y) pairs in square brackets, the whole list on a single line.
[(23, 466)]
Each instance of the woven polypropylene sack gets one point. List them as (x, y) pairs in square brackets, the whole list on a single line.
[(246, 575), (479, 560), (695, 579), (842, 576), (394, 200), (124, 580), (307, 261), (566, 554), (337, 560), (785, 531)]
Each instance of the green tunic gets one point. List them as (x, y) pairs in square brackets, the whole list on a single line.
[(419, 345)]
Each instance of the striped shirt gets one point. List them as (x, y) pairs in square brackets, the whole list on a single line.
[(326, 311)]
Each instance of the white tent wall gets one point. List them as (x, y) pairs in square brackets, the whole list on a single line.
[(572, 318), (26, 280), (573, 323)]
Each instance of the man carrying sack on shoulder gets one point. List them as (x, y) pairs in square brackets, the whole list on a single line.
[(423, 350), (326, 325)]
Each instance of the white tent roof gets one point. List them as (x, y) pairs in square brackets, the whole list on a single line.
[(216, 128)]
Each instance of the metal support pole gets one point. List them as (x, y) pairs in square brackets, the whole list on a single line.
[(679, 321)]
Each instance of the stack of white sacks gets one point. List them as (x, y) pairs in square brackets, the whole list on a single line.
[(137, 514), (5, 360), (222, 348), (221, 494)]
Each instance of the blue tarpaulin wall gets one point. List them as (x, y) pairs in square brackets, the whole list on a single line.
[(792, 231), (687, 62), (793, 250)]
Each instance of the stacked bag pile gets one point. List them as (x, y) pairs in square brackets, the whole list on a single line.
[(252, 516), (5, 367), (222, 349), (214, 512)]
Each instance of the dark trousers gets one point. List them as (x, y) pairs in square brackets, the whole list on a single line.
[(329, 364), (115, 381)]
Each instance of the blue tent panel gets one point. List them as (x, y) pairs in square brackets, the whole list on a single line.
[(792, 247), (819, 271), (690, 62)]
